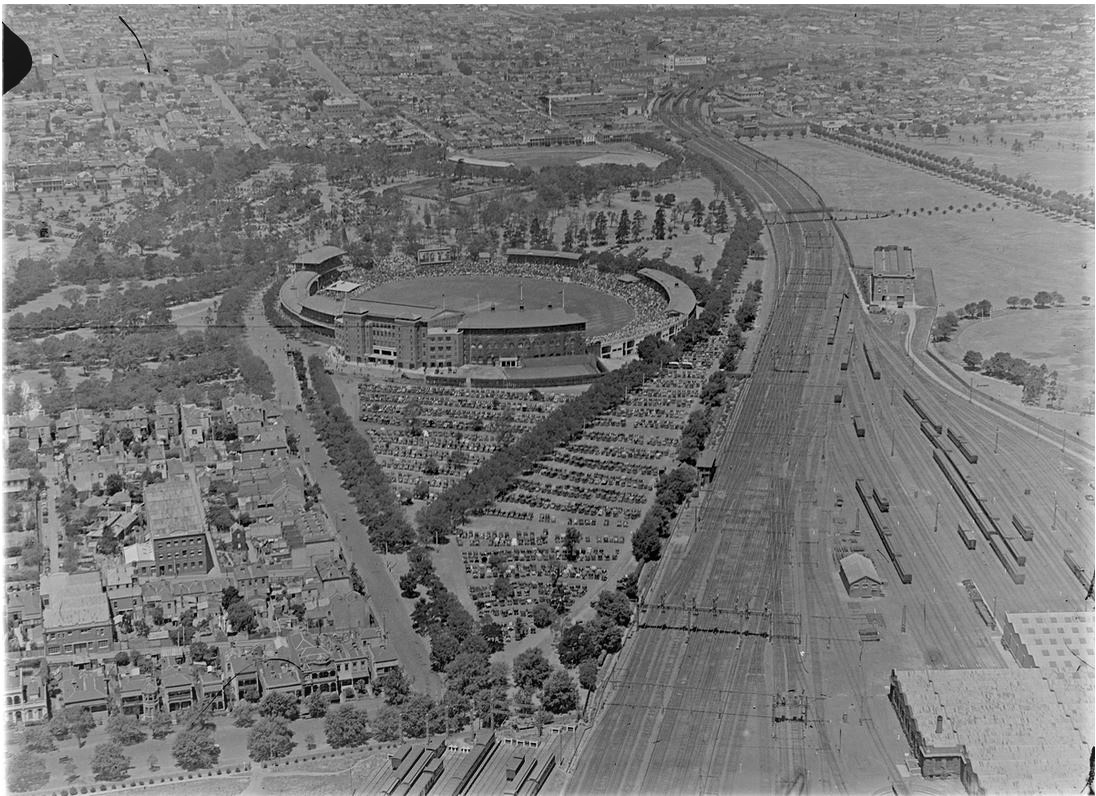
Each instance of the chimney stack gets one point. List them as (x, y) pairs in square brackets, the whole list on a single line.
[(939, 724)]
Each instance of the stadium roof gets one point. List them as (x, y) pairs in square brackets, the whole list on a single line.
[(343, 286), (318, 256), (682, 299), (519, 319), (543, 253), (387, 309), (491, 164)]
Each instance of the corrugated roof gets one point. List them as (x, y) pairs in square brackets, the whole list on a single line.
[(857, 566), (681, 297), (1022, 729), (318, 256), (1056, 638)]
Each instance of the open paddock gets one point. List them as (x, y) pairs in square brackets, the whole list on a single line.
[(1062, 160), (1062, 339), (992, 252)]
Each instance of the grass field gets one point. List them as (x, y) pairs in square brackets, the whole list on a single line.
[(1062, 339), (682, 248), (1063, 160), (538, 156), (977, 255), (603, 313)]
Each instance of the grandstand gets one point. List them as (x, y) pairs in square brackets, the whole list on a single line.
[(429, 329)]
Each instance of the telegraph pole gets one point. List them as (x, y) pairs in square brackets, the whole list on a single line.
[(936, 523), (1054, 521), (996, 434)]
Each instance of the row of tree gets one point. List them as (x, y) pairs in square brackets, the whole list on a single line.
[(118, 310), (480, 487), (1020, 189), (1041, 300), (670, 493), (352, 455)]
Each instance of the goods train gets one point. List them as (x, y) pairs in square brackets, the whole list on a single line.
[(987, 523), (882, 527), (916, 404), (963, 447)]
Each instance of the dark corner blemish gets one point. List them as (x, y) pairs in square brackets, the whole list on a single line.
[(17, 59)]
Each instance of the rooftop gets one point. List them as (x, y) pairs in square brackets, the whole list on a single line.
[(1056, 639), (318, 256), (682, 299), (76, 599), (1024, 730), (857, 566), (174, 507)]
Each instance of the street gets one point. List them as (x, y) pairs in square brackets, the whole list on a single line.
[(393, 611)]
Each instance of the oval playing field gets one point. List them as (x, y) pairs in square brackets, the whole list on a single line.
[(604, 313)]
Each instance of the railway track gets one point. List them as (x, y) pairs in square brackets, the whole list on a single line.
[(672, 738), (695, 711)]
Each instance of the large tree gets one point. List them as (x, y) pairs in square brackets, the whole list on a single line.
[(27, 771), (242, 617), (108, 761), (622, 230), (531, 669), (972, 359), (614, 606), (268, 739), (346, 725), (125, 729), (38, 739), (194, 748), (317, 703), (560, 693), (160, 725), (283, 706), (243, 713)]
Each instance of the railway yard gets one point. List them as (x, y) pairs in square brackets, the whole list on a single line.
[(752, 669)]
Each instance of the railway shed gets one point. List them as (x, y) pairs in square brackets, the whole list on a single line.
[(998, 730), (859, 576)]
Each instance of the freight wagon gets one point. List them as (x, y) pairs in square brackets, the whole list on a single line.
[(960, 488), (1019, 558), (856, 424), (1027, 533), (880, 500), (1077, 570), (1014, 573), (871, 365), (968, 537), (963, 446), (916, 405)]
